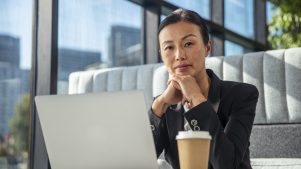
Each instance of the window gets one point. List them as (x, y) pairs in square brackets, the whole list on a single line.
[(232, 48), (202, 7), (271, 10), (97, 34), (239, 17), (15, 67)]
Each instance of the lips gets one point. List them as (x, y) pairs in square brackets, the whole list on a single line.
[(182, 66)]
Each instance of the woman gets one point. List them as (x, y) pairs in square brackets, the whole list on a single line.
[(195, 98)]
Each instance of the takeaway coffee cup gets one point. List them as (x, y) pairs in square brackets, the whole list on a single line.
[(193, 147)]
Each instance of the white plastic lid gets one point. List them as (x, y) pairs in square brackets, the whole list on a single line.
[(193, 134)]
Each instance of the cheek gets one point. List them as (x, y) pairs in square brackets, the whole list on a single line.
[(167, 58), (168, 64), (198, 57), (196, 54)]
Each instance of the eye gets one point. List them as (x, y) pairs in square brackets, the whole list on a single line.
[(168, 48), (188, 44)]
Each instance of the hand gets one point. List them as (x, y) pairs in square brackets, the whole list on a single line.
[(190, 89), (172, 95)]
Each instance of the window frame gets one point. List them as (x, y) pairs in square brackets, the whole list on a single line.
[(45, 51)]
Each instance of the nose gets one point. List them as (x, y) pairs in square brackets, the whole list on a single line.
[(180, 54)]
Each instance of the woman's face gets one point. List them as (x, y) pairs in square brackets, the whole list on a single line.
[(182, 49)]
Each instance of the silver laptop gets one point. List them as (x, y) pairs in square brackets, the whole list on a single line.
[(97, 131)]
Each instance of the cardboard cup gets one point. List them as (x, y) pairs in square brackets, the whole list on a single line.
[(193, 148)]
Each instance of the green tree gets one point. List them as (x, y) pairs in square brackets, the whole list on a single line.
[(285, 27), (19, 124)]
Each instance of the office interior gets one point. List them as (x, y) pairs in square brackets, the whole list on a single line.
[(43, 41)]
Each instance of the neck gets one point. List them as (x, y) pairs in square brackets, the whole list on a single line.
[(204, 83)]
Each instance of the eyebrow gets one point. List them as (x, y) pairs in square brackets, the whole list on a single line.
[(188, 36), (183, 38), (167, 41)]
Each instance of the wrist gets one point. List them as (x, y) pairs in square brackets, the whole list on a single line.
[(159, 107), (197, 99)]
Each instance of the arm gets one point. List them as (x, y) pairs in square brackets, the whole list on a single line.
[(157, 115), (230, 143), (159, 130)]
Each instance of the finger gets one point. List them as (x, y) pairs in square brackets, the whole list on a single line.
[(169, 81), (176, 78), (176, 85), (177, 81), (184, 99)]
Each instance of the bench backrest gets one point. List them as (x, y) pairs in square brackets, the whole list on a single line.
[(275, 73)]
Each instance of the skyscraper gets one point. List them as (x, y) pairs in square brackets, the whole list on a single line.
[(10, 50), (71, 60), (125, 46), (11, 76)]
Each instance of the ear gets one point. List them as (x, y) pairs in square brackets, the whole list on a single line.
[(208, 47)]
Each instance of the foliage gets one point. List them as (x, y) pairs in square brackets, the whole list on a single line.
[(285, 27), (3, 152), (19, 124)]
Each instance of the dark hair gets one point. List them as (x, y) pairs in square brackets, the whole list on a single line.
[(186, 16)]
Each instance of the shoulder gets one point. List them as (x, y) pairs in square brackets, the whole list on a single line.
[(241, 98), (238, 89)]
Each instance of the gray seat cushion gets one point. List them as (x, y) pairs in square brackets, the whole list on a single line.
[(276, 163)]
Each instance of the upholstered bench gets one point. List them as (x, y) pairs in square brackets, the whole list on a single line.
[(276, 135)]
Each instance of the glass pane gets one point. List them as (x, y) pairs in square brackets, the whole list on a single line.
[(15, 65), (95, 34), (162, 17), (270, 11), (202, 7), (239, 16), (232, 48)]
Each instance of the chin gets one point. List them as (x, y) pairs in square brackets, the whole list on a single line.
[(184, 73)]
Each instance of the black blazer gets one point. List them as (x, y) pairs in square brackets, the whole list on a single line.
[(230, 127)]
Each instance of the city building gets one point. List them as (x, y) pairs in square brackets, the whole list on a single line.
[(71, 60), (9, 79), (10, 50), (124, 46)]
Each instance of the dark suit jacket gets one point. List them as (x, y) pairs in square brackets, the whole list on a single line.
[(230, 127)]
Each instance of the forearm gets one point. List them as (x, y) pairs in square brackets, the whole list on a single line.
[(159, 107), (159, 132)]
